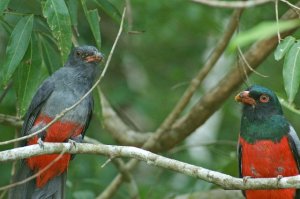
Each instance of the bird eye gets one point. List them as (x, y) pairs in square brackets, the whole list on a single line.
[(264, 98), (78, 53)]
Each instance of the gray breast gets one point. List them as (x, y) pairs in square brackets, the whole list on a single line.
[(68, 90)]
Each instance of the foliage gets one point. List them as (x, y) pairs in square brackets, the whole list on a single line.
[(163, 47)]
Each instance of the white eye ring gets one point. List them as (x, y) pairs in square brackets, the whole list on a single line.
[(264, 98)]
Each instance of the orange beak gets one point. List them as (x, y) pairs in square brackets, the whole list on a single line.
[(97, 57), (245, 98)]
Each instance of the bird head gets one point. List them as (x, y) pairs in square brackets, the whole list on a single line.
[(85, 55), (260, 99)]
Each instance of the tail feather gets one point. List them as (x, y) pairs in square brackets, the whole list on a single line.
[(54, 189)]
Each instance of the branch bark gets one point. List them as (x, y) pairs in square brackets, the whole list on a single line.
[(223, 180), (232, 4)]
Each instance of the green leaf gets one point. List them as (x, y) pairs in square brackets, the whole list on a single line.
[(109, 9), (58, 19), (291, 71), (49, 51), (29, 76), (283, 47), (17, 46), (262, 31), (3, 5), (73, 10), (93, 19)]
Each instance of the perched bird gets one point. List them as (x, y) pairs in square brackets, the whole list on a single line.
[(268, 144), (59, 91)]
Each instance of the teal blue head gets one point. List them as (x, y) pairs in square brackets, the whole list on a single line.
[(259, 101)]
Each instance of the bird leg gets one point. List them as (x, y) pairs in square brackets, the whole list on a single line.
[(74, 140), (278, 179), (41, 136)]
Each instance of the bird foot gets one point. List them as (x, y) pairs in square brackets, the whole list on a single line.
[(245, 179), (72, 144), (41, 143), (279, 178)]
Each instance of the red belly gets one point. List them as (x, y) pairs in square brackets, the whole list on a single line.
[(58, 132), (265, 158)]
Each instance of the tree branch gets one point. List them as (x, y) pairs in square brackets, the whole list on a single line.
[(232, 4), (223, 180), (118, 129), (214, 193), (210, 102), (10, 120)]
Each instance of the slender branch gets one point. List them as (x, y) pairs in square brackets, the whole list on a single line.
[(214, 193), (6, 89), (290, 4), (232, 4), (223, 180), (61, 114), (10, 120)]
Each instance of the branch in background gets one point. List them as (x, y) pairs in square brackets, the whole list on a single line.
[(6, 89), (164, 138), (232, 4), (214, 193), (10, 120), (210, 102), (223, 180), (120, 165), (122, 133)]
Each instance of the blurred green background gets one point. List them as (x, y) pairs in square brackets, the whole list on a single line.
[(163, 46)]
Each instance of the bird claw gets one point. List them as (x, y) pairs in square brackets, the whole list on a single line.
[(72, 144), (246, 178), (41, 143), (279, 178)]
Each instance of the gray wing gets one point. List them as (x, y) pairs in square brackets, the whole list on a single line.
[(295, 138), (294, 143), (89, 117), (37, 102)]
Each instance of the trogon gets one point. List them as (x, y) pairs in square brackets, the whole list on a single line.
[(59, 91), (268, 144)]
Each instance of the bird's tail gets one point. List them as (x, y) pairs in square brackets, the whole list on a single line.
[(54, 188)]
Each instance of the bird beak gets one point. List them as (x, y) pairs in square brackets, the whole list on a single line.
[(244, 98), (97, 57)]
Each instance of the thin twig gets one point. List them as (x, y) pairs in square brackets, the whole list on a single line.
[(247, 64), (277, 21), (290, 4), (232, 4), (6, 89), (61, 114), (10, 120)]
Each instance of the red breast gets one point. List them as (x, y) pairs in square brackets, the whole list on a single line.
[(265, 158), (58, 132)]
